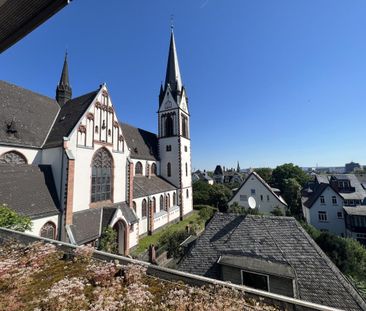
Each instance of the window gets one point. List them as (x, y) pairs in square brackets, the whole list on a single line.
[(168, 148), (169, 169), (96, 129), (13, 157), (187, 193), (322, 216), (105, 99), (153, 169), (154, 204), (322, 200), (102, 175), (340, 215), (255, 280), (138, 168), (144, 208), (334, 200), (261, 197), (161, 202), (134, 206), (109, 132), (184, 126), (267, 197), (243, 197), (169, 126), (185, 148), (186, 169), (48, 231), (174, 199), (252, 191)]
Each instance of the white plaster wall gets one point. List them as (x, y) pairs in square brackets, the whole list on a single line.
[(174, 213), (160, 219), (33, 156), (333, 224), (264, 206), (37, 224), (53, 157)]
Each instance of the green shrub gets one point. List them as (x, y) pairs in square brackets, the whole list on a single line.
[(12, 220), (277, 212), (172, 240), (108, 242)]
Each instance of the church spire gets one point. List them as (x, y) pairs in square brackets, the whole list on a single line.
[(63, 90), (173, 77)]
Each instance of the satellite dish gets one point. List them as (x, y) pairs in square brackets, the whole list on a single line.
[(252, 203)]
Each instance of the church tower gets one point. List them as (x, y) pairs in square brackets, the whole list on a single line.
[(174, 132), (63, 90)]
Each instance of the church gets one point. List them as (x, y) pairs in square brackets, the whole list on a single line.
[(75, 169)]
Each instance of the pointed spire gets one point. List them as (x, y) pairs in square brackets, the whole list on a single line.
[(63, 90), (173, 77)]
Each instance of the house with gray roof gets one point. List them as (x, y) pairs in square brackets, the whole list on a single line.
[(71, 166), (272, 254), (334, 203)]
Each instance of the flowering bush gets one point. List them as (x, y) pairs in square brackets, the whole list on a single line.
[(39, 278)]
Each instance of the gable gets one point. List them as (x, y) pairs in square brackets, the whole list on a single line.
[(168, 102)]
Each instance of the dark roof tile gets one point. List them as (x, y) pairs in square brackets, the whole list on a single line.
[(144, 186)]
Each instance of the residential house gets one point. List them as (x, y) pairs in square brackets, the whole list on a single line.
[(267, 199)]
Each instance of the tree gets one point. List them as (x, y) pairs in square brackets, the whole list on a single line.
[(265, 173), (108, 242), (238, 209), (12, 220), (286, 171), (215, 195), (292, 195)]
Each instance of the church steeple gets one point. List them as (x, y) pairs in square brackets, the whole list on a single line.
[(173, 77), (63, 90)]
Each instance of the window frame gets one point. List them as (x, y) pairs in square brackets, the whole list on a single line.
[(255, 273), (322, 219)]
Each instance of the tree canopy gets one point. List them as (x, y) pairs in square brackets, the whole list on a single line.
[(286, 171), (12, 220), (265, 173), (215, 195)]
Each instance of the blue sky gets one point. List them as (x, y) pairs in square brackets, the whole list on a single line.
[(269, 81)]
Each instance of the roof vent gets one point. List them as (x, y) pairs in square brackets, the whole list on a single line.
[(11, 128)]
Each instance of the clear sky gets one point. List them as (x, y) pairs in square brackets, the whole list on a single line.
[(269, 81)]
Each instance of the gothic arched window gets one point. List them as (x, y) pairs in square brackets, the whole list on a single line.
[(153, 169), (154, 204), (138, 168), (161, 202), (144, 209), (169, 169), (48, 231), (167, 202), (102, 176), (184, 126), (134, 206), (169, 126), (13, 157), (174, 199)]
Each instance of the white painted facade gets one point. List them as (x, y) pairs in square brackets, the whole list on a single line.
[(266, 200), (37, 224), (327, 214)]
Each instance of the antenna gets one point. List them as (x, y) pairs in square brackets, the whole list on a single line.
[(252, 203)]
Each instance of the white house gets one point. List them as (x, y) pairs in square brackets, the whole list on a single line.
[(75, 169), (267, 200)]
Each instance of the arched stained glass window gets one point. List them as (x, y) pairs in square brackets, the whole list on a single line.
[(174, 199), (13, 157), (161, 202), (138, 168), (48, 231), (169, 126), (102, 176), (144, 208), (153, 169), (134, 206)]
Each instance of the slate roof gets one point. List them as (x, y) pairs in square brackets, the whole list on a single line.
[(89, 224), (18, 18), (32, 115), (29, 190), (142, 144), (144, 186), (70, 114), (359, 210), (276, 239)]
